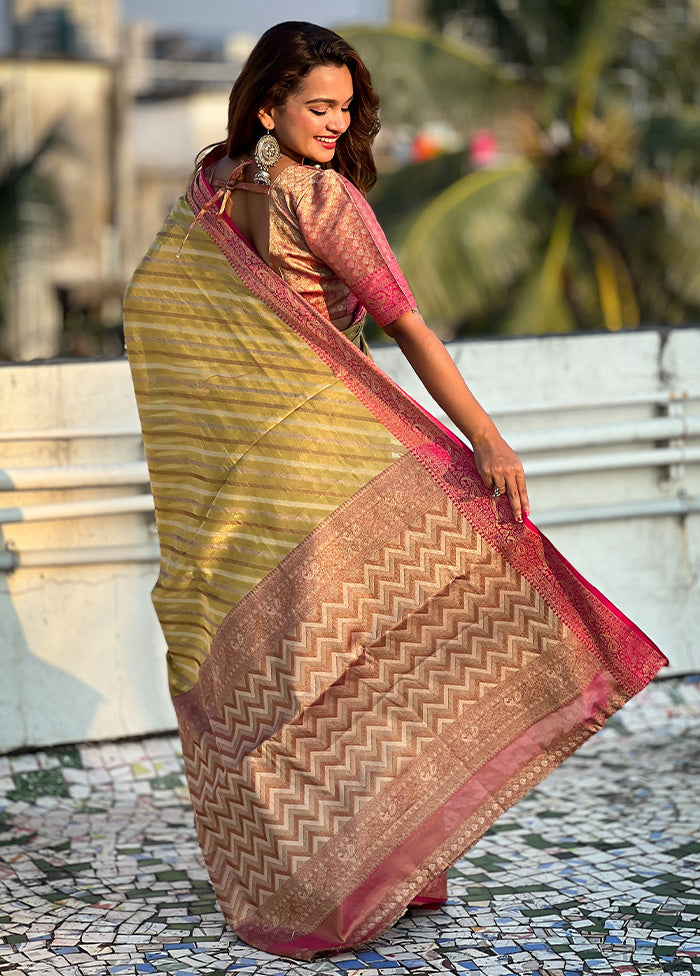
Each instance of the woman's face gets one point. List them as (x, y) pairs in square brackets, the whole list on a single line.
[(311, 120)]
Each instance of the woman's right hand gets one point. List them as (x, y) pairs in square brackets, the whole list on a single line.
[(500, 467)]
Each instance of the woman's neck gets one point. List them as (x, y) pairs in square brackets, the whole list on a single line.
[(295, 157)]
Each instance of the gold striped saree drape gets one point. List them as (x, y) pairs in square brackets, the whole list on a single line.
[(369, 659)]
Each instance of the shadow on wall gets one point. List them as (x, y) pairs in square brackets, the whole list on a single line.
[(39, 701)]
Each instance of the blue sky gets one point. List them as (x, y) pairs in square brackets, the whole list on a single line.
[(227, 16), (223, 17)]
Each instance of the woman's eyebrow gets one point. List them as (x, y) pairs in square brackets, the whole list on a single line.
[(328, 101)]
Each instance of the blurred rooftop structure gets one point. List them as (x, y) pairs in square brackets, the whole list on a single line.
[(65, 28), (121, 112)]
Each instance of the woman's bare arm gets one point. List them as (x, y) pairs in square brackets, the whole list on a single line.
[(498, 465)]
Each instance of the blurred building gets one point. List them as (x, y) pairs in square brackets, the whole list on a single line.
[(164, 135), (72, 28), (67, 264), (127, 112), (178, 90), (60, 89)]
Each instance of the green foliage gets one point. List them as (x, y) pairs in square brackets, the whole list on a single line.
[(398, 198), (540, 32), (478, 235), (423, 78), (592, 218), (670, 144)]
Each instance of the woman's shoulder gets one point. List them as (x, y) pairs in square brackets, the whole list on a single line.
[(314, 193), (297, 180)]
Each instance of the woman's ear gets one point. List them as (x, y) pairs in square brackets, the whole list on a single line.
[(266, 118)]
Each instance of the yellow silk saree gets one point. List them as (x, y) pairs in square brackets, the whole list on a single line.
[(369, 659)]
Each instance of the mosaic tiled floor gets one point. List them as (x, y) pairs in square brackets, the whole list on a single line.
[(596, 871)]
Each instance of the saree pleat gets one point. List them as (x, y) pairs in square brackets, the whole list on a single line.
[(369, 659)]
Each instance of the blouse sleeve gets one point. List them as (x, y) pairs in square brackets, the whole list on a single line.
[(340, 228)]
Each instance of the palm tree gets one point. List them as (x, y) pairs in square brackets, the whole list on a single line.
[(594, 218)]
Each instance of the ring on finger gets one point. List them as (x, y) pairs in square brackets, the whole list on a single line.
[(497, 492)]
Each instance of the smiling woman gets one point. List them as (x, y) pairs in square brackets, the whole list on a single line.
[(372, 651)]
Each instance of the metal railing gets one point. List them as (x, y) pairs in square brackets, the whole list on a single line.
[(669, 438)]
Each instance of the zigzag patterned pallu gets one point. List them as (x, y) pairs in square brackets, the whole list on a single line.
[(370, 660)]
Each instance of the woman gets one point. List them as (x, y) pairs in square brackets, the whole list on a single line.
[(372, 651)]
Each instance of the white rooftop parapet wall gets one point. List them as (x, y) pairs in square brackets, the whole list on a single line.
[(608, 427)]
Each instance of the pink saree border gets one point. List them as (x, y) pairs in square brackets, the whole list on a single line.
[(630, 654)]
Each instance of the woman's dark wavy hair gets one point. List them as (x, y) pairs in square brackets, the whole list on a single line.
[(275, 69)]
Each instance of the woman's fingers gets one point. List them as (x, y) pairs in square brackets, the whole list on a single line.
[(512, 483), (522, 491), (502, 473)]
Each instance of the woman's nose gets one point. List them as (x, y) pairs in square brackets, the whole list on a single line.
[(339, 121)]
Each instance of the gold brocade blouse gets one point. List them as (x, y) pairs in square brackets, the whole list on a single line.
[(326, 244)]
